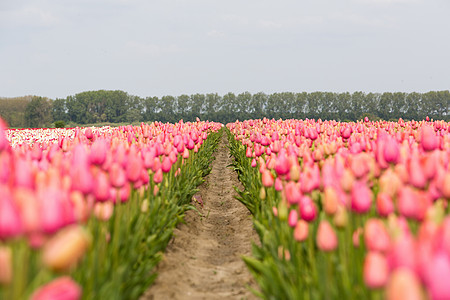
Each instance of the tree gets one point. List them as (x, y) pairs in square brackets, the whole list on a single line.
[(38, 113)]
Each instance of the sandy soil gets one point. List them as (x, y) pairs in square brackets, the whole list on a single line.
[(203, 260)]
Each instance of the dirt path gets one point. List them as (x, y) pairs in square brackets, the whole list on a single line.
[(203, 259)]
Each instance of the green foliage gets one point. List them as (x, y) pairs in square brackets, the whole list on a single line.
[(119, 107), (60, 124), (12, 110), (38, 112)]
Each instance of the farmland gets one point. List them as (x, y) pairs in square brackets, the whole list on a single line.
[(340, 210)]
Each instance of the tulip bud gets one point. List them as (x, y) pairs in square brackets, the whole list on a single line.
[(282, 211), (429, 141), (407, 202), (117, 175), (340, 218), (376, 236), (103, 210), (347, 180), (99, 150), (158, 176), (133, 168), (308, 210), (292, 193), (385, 206), (262, 193), (404, 284), (436, 273), (6, 269), (376, 270), (65, 248), (282, 164), (293, 218), (63, 288), (166, 165), (356, 236), (278, 184), (330, 200), (361, 197), (326, 237), (294, 172), (391, 151), (267, 178), (301, 231), (144, 206)]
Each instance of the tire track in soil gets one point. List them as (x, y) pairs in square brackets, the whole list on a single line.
[(203, 259)]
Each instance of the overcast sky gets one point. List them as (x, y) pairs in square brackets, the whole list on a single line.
[(57, 48)]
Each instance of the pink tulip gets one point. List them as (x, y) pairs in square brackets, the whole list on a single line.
[(103, 211), (416, 174), (326, 237), (10, 221), (437, 272), (66, 248), (282, 164), (429, 141), (158, 177), (133, 168), (361, 197), (166, 165), (330, 200), (376, 270), (308, 210), (293, 218), (101, 187), (301, 231), (278, 184), (391, 151), (407, 203), (403, 284), (403, 252), (267, 178), (62, 288), (3, 140), (292, 193), (22, 175), (376, 236), (117, 176), (385, 206)]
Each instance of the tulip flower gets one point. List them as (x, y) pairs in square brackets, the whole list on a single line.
[(330, 200), (62, 288), (429, 141), (301, 231), (66, 248), (384, 203), (376, 236), (293, 218), (376, 270), (308, 210), (404, 284), (361, 197), (292, 193), (326, 237), (10, 220), (267, 178)]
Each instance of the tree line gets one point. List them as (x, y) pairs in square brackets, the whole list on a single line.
[(120, 107)]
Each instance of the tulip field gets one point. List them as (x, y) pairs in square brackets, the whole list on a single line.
[(347, 210), (86, 212), (355, 210)]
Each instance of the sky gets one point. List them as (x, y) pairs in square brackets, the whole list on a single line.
[(57, 48)]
